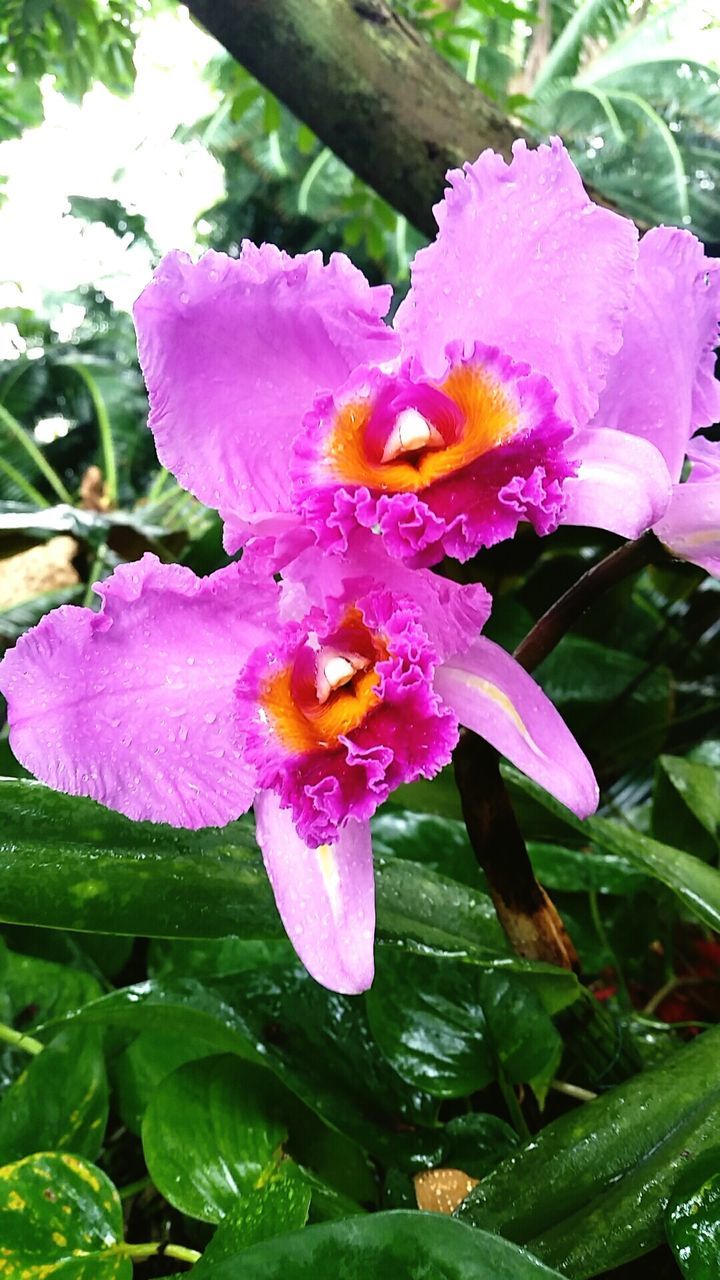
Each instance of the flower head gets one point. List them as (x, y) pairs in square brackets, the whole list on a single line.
[(185, 700), (513, 384)]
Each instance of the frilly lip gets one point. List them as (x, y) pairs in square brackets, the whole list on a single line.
[(478, 503), (407, 732)]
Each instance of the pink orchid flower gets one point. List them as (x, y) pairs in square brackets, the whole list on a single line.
[(690, 527), (535, 371), (186, 700)]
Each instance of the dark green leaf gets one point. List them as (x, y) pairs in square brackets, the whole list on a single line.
[(60, 1101), (589, 1192), (404, 1245), (686, 806), (693, 1218)]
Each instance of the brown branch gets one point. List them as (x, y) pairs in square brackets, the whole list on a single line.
[(531, 922), (370, 87)]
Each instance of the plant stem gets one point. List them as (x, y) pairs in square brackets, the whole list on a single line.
[(20, 1041), (511, 1102), (134, 1188), (524, 910), (153, 1249), (560, 617), (107, 444)]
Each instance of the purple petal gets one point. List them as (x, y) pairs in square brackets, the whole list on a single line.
[(325, 896), (492, 694), (524, 261), (233, 353), (134, 705), (623, 483), (661, 384), (691, 524)]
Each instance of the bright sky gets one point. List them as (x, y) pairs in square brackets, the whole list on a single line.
[(109, 146)]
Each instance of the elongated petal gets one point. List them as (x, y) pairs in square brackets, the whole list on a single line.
[(525, 262), (492, 695), (623, 483), (234, 351), (691, 524), (661, 384), (134, 705), (325, 896)]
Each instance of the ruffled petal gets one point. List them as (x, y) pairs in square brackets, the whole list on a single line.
[(233, 352), (524, 261), (453, 615), (492, 695), (690, 527), (623, 483), (661, 384), (134, 705), (325, 896)]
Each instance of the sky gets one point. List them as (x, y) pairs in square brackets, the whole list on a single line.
[(110, 146)]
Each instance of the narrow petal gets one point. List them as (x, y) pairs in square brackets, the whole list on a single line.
[(690, 527), (524, 261), (234, 352), (623, 483), (492, 695), (661, 384), (134, 705), (325, 896)]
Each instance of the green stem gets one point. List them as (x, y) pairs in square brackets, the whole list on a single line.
[(20, 1041), (514, 1109), (158, 484), (104, 431), (153, 1249), (41, 462), (95, 571), (315, 168), (134, 1188)]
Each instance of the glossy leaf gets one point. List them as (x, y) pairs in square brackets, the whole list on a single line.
[(140, 1068), (589, 1191), (404, 1245), (115, 876), (212, 1134), (59, 1102), (447, 1028), (693, 1218), (276, 1208), (54, 1207)]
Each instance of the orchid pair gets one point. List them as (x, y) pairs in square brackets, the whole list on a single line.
[(541, 368)]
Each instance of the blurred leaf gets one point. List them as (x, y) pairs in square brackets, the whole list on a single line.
[(686, 806)]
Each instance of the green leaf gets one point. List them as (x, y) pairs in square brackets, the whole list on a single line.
[(589, 1191), (318, 1043), (445, 1027), (693, 1218), (42, 989), (140, 1068), (211, 1133), (692, 881), (278, 1207), (60, 1101), (686, 806), (590, 683), (54, 1206), (69, 863), (439, 843), (404, 1245)]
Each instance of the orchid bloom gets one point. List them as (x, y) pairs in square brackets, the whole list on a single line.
[(186, 700), (517, 382)]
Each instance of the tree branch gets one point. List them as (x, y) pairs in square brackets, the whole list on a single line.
[(369, 86)]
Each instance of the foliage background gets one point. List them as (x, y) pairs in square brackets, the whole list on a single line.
[(306, 1102)]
